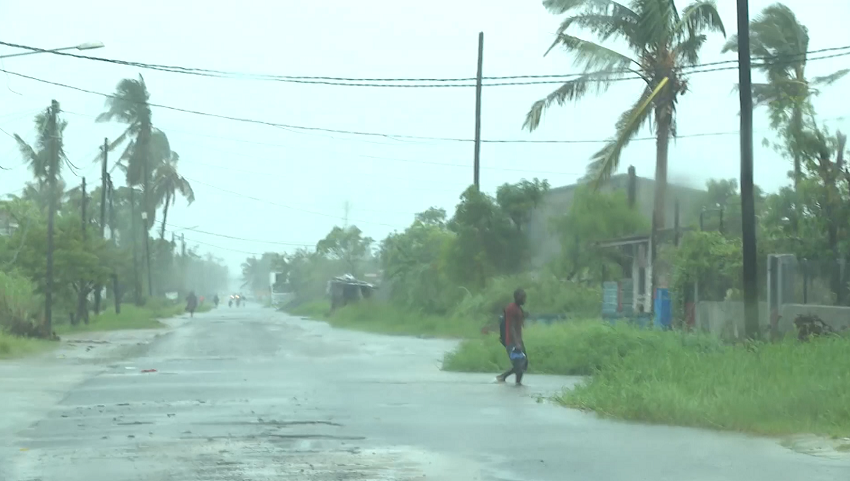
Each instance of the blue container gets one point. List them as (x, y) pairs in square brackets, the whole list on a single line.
[(663, 309)]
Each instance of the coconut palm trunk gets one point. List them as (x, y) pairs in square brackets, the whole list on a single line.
[(164, 215)]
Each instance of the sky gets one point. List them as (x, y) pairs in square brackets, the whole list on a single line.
[(279, 189)]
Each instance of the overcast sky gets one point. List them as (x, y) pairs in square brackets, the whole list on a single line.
[(304, 179)]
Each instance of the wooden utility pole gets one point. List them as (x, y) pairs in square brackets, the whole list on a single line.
[(748, 210), (115, 292), (53, 167), (478, 111), (103, 174)]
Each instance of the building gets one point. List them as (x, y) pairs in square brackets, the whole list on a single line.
[(545, 245)]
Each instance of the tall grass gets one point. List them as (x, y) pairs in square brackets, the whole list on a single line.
[(782, 388), (569, 348)]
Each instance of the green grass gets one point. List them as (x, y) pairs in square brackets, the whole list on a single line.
[(384, 318), (13, 346), (131, 317), (314, 309), (686, 380), (568, 348), (773, 389)]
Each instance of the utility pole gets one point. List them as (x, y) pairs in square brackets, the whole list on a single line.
[(51, 213), (347, 208), (147, 250), (103, 175), (748, 211), (136, 287), (82, 295), (115, 292), (478, 111)]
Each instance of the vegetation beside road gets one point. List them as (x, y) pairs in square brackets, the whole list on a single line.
[(685, 379)]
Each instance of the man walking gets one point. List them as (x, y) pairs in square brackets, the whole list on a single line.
[(514, 320)]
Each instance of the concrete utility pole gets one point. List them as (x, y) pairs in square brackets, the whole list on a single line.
[(748, 210), (477, 166)]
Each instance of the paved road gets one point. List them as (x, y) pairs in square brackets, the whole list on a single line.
[(249, 394)]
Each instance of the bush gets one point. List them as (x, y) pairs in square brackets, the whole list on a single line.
[(20, 307), (546, 295), (781, 388)]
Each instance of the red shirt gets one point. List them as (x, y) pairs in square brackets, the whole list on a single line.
[(513, 321)]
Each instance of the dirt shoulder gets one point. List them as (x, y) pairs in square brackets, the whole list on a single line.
[(31, 385)]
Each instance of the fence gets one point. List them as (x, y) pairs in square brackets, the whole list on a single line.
[(788, 287)]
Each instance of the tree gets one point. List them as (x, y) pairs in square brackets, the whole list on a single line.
[(414, 265), (347, 245), (520, 199), (486, 242), (781, 43), (45, 161), (167, 184), (663, 42), (595, 216)]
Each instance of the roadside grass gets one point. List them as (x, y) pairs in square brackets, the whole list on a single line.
[(568, 348), (774, 389), (14, 346), (314, 309), (685, 379), (131, 317)]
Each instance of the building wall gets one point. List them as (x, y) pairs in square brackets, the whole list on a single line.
[(546, 246), (725, 319)]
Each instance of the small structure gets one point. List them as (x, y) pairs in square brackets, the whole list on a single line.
[(346, 289)]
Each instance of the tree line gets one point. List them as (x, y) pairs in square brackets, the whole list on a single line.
[(72, 242)]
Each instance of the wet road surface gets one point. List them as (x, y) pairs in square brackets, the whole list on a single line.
[(251, 394)]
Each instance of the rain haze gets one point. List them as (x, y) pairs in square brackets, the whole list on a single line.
[(289, 186), (333, 289)]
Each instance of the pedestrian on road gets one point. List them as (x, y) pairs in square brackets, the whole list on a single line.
[(215, 300), (514, 321), (191, 303)]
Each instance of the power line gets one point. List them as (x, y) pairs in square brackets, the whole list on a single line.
[(385, 82), (360, 133), (225, 236)]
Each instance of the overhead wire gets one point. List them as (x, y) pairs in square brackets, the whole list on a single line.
[(391, 82)]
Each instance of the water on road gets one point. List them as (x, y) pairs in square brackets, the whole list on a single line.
[(252, 394)]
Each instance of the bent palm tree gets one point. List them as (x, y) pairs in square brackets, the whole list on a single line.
[(167, 184), (129, 105), (663, 43), (782, 43)]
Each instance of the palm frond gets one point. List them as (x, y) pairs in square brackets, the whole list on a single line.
[(698, 17), (605, 162), (560, 7), (831, 78), (687, 51), (569, 91), (186, 190), (591, 56)]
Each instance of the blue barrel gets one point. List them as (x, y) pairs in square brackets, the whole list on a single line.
[(663, 309)]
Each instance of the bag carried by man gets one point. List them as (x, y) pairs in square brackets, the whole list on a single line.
[(502, 327)]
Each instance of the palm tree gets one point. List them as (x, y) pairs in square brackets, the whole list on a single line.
[(45, 161), (167, 184), (129, 105), (663, 43), (781, 43)]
